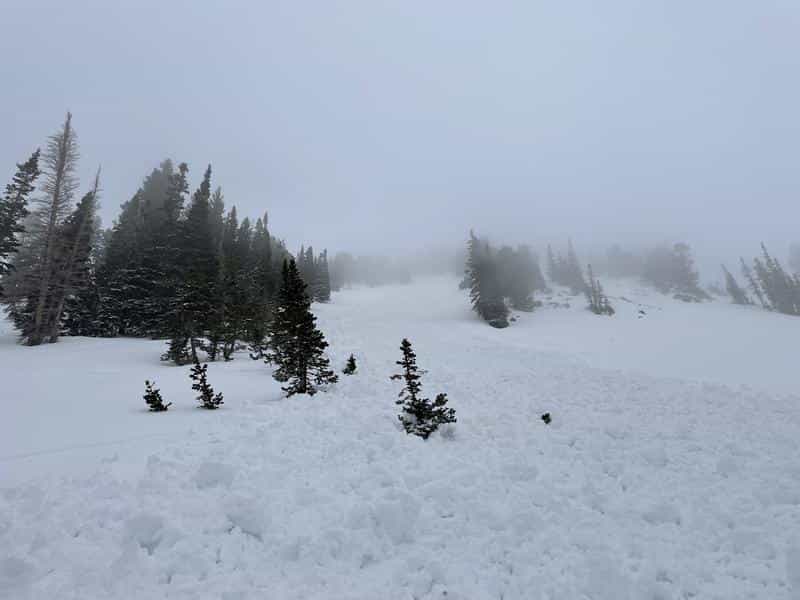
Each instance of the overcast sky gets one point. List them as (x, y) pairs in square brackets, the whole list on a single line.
[(371, 124)]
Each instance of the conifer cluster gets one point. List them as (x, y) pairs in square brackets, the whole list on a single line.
[(492, 277), (566, 269), (314, 271), (598, 301), (775, 288), (172, 266)]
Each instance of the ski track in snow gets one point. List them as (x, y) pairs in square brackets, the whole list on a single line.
[(647, 485)]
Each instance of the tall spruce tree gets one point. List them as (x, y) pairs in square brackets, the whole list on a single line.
[(296, 346), (14, 209), (196, 306)]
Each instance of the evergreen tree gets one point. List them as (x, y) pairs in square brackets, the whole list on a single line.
[(322, 279), (752, 284), (296, 345), (32, 296), (72, 261), (350, 367), (419, 415), (152, 396), (598, 301), (737, 294), (195, 302), (14, 209), (485, 289), (206, 396)]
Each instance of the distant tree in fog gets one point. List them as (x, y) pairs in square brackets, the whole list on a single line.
[(485, 282), (671, 270), (737, 294)]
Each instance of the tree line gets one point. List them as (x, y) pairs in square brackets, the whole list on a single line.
[(174, 266)]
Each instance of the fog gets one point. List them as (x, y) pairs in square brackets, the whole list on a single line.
[(384, 126)]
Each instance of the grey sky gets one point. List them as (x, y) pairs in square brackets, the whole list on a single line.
[(368, 123)]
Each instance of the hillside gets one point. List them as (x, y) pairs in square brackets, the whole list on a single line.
[(669, 471)]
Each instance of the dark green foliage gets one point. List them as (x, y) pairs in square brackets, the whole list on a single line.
[(737, 294), (206, 396), (598, 301), (14, 209), (296, 346), (419, 416), (350, 367), (485, 284), (152, 396), (671, 270)]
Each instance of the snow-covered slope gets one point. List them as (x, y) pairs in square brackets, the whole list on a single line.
[(655, 480)]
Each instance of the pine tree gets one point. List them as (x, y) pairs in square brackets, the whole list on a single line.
[(206, 396), (14, 209), (195, 302), (737, 294), (419, 415), (598, 301), (747, 273), (485, 289), (72, 258), (33, 295), (152, 396), (350, 367), (296, 345)]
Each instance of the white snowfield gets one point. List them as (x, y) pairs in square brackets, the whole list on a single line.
[(655, 481)]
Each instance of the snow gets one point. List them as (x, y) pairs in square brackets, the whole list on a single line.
[(669, 470)]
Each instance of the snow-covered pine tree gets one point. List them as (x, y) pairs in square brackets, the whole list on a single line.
[(350, 367), (296, 345), (485, 287), (737, 294), (206, 396), (152, 396), (419, 416), (14, 209)]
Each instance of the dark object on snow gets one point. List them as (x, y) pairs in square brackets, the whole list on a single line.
[(153, 398), (641, 313), (420, 416), (206, 397), (546, 418), (350, 367)]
